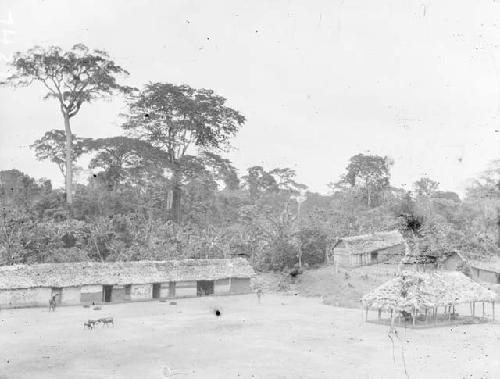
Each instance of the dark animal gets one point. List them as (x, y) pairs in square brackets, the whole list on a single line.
[(90, 324), (106, 321), (406, 315), (217, 313), (295, 272)]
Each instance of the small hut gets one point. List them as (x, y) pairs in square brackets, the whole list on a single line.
[(417, 295), (452, 261), (486, 270), (368, 249)]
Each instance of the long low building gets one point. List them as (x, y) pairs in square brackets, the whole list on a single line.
[(111, 282)]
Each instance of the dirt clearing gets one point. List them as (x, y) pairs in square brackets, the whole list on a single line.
[(283, 337)]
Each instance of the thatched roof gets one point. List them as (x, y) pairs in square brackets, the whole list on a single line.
[(142, 272), (492, 264), (450, 254), (426, 290), (367, 243)]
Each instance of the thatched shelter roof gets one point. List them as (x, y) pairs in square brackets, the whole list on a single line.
[(419, 259), (367, 243), (121, 273), (426, 290)]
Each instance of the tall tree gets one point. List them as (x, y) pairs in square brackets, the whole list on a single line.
[(285, 178), (123, 159), (52, 147), (425, 187), (258, 181), (370, 172), (176, 118), (72, 77)]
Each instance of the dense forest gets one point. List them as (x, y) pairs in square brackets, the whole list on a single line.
[(163, 189)]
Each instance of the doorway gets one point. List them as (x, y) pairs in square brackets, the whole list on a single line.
[(204, 287), (156, 290), (107, 292), (374, 256)]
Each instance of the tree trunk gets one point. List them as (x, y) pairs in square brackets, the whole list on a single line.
[(175, 212), (498, 227), (369, 195), (174, 201), (69, 166)]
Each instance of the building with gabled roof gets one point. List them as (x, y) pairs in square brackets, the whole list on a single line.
[(368, 248)]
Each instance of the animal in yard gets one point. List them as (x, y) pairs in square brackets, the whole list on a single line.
[(90, 324), (216, 310), (52, 303), (106, 321), (406, 315)]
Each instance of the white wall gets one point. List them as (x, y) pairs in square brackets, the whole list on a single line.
[(164, 290), (70, 295), (141, 291), (91, 289), (25, 297), (186, 288), (222, 286)]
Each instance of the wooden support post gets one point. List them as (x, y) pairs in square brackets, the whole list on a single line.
[(473, 309), (435, 315), (414, 316), (483, 309), (366, 319)]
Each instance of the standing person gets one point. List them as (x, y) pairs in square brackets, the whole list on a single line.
[(259, 294), (52, 303)]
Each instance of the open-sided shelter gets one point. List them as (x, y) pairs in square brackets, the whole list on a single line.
[(416, 293)]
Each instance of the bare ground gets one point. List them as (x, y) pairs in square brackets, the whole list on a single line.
[(284, 337)]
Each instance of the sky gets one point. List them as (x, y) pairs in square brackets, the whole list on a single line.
[(318, 81)]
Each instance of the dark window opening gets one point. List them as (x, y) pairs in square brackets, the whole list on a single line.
[(107, 294), (127, 289), (374, 256), (204, 287), (156, 290)]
